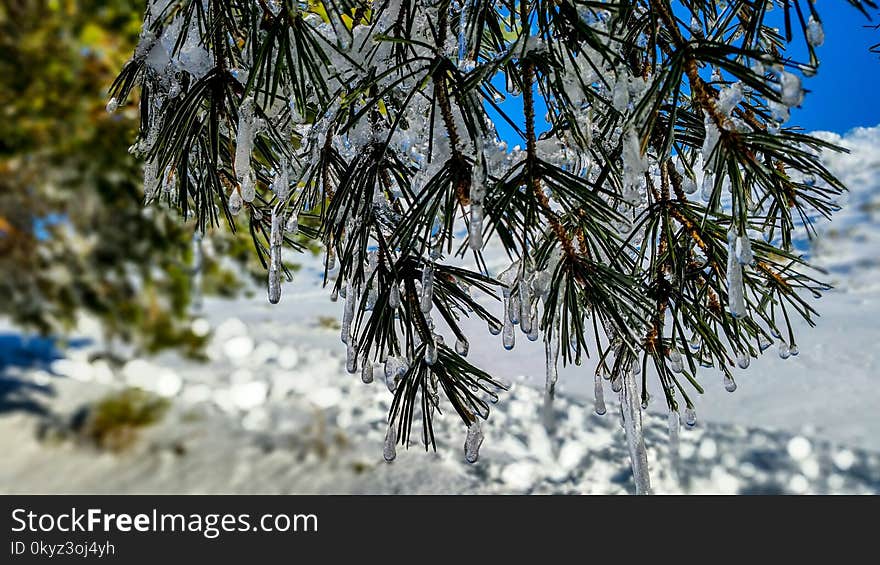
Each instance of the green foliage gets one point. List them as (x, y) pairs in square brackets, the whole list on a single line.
[(113, 423), (74, 236)]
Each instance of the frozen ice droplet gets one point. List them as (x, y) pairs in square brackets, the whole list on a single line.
[(743, 360), (431, 353), (235, 202), (690, 417), (112, 105), (394, 368), (599, 394), (729, 383), (792, 89), (367, 372), (784, 351), (616, 383), (793, 350), (462, 346), (472, 442), (276, 238), (390, 451), (815, 32), (675, 361), (494, 328)]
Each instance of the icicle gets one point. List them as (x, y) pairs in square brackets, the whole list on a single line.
[(708, 186), (674, 427), (744, 250), (431, 352), (394, 296), (534, 333), (620, 94), (427, 298), (472, 442), (433, 392), (351, 360), (551, 351), (462, 346), (710, 142), (276, 238), (689, 185), (743, 360), (244, 143), (729, 98), (690, 417), (525, 307), (198, 263), (508, 338), (475, 228), (513, 307), (367, 372), (735, 287), (675, 361), (151, 178), (635, 165), (599, 395), (235, 203), (281, 181), (616, 383), (792, 90), (729, 383), (347, 312), (632, 419), (392, 370), (248, 188), (390, 451), (815, 33), (292, 224)]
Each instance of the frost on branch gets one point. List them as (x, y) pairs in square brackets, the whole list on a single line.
[(646, 150)]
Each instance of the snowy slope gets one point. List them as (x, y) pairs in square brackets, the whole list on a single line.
[(274, 411), (284, 417)]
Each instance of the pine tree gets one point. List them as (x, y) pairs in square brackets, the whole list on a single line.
[(649, 216)]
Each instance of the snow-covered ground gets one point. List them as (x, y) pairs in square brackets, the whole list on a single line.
[(273, 410)]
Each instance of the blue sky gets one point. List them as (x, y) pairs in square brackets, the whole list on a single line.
[(843, 95), (846, 91)]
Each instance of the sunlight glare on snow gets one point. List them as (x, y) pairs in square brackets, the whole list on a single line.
[(799, 448)]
